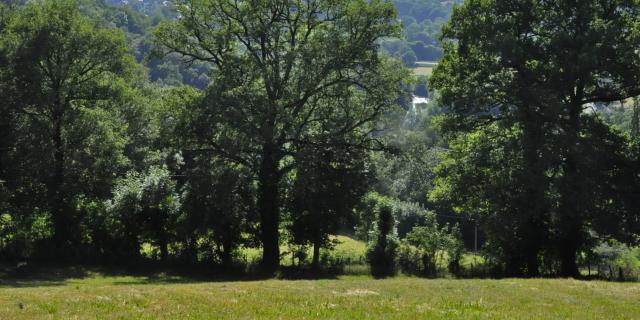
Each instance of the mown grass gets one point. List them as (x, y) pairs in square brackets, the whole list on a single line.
[(164, 297)]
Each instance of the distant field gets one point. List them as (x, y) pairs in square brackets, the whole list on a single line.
[(423, 71), (161, 297), (424, 68)]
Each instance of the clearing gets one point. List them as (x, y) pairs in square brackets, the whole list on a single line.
[(424, 68)]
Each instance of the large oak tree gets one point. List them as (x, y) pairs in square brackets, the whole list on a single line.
[(537, 65), (281, 68)]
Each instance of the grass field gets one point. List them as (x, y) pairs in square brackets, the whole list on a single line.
[(81, 293), (424, 68), (422, 71), (150, 297)]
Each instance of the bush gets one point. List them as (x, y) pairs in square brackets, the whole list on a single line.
[(146, 208), (382, 253), (382, 258), (426, 248), (409, 259), (616, 261), (408, 215), (22, 235)]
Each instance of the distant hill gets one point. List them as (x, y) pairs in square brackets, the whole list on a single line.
[(422, 20)]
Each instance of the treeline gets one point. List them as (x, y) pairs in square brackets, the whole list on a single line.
[(100, 162), (282, 123)]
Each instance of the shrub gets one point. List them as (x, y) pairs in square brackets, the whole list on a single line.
[(615, 260), (146, 207), (382, 252), (409, 215), (426, 248)]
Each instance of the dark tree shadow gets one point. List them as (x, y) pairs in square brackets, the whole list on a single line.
[(23, 275), (43, 275)]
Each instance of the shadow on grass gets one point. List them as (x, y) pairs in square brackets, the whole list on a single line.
[(46, 275), (22, 275)]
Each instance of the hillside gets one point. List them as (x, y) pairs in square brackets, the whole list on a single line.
[(422, 20)]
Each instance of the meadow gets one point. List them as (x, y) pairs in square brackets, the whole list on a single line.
[(161, 296), (156, 292), (423, 68)]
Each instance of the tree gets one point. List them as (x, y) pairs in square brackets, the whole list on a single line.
[(61, 61), (218, 204), (328, 185), (483, 176), (280, 68), (537, 65), (7, 108)]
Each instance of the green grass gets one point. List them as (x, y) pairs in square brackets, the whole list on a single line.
[(424, 68), (349, 248), (346, 247), (422, 71), (150, 297)]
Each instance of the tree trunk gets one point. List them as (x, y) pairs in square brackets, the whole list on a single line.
[(571, 215), (164, 248), (191, 250), (535, 186), (635, 119), (62, 223), (569, 267), (227, 258), (315, 264), (269, 207)]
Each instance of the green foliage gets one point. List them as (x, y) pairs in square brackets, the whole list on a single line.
[(533, 162), (382, 252), (204, 130), (422, 22), (426, 247), (408, 173), (146, 208), (20, 236), (616, 261), (59, 63), (328, 185), (309, 76), (218, 206)]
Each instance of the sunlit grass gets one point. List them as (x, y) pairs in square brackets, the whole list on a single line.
[(422, 71), (346, 248), (424, 68), (130, 297)]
